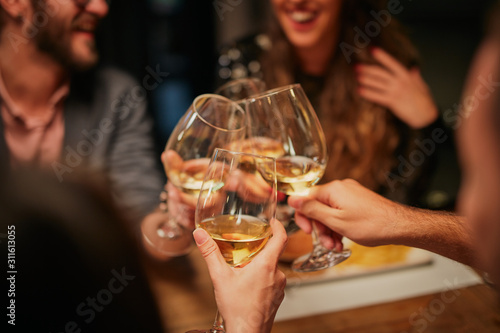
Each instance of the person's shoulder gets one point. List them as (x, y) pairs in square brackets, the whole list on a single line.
[(107, 79), (115, 75)]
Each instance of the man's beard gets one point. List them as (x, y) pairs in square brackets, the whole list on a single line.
[(54, 39)]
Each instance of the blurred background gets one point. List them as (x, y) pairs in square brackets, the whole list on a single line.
[(181, 38)]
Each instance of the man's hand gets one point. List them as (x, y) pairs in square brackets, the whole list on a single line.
[(347, 208), (350, 210)]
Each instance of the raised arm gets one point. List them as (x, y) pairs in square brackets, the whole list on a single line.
[(349, 209), (248, 297)]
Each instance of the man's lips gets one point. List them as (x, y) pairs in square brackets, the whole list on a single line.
[(85, 24)]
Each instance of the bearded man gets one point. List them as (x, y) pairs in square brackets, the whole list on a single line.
[(60, 112)]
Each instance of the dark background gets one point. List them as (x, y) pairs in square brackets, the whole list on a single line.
[(182, 37)]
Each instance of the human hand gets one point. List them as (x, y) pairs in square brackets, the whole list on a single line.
[(349, 209), (180, 205), (401, 90), (259, 286)]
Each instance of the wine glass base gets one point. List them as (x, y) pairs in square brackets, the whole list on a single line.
[(319, 259), (160, 239)]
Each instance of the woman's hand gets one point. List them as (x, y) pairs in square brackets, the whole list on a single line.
[(401, 90), (180, 205), (247, 297)]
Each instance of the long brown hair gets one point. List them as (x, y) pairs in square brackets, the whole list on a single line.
[(362, 137)]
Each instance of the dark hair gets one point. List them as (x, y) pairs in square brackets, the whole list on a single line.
[(77, 263), (367, 137)]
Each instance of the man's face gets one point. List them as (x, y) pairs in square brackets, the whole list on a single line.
[(68, 36), (478, 141)]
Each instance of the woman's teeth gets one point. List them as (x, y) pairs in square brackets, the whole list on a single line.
[(302, 17)]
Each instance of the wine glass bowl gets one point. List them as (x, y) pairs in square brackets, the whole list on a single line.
[(240, 89), (282, 123), (211, 121), (236, 204)]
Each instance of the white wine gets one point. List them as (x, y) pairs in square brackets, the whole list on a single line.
[(190, 177), (260, 146), (296, 174), (239, 237)]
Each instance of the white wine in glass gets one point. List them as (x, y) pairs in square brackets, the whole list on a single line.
[(236, 204), (284, 119), (211, 121), (239, 237)]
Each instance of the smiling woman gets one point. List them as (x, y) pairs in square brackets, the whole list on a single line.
[(372, 102), (362, 100), (360, 71), (312, 27)]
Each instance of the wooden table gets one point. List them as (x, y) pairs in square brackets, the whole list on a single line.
[(185, 295)]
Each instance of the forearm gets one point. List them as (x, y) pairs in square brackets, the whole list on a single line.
[(443, 233)]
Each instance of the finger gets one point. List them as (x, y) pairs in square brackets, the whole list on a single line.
[(249, 187), (323, 213), (275, 246), (327, 241), (296, 201), (388, 61), (210, 252), (417, 79), (371, 83), (303, 222), (338, 245), (164, 161), (171, 160), (375, 72), (174, 194), (375, 96), (326, 235), (415, 71)]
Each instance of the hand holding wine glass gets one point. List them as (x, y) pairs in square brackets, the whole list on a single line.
[(235, 207), (283, 124), (257, 305), (211, 121)]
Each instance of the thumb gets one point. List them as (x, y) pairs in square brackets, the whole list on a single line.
[(210, 252)]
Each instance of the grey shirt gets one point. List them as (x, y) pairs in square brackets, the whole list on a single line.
[(108, 129)]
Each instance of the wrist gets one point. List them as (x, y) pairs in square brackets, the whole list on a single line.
[(407, 226), (247, 324)]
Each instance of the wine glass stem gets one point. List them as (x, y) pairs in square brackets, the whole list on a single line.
[(218, 325), (315, 238)]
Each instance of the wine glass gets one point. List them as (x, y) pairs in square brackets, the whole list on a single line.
[(235, 207), (211, 121), (282, 124), (240, 89)]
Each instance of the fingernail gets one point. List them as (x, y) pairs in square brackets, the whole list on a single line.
[(281, 196), (200, 236)]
